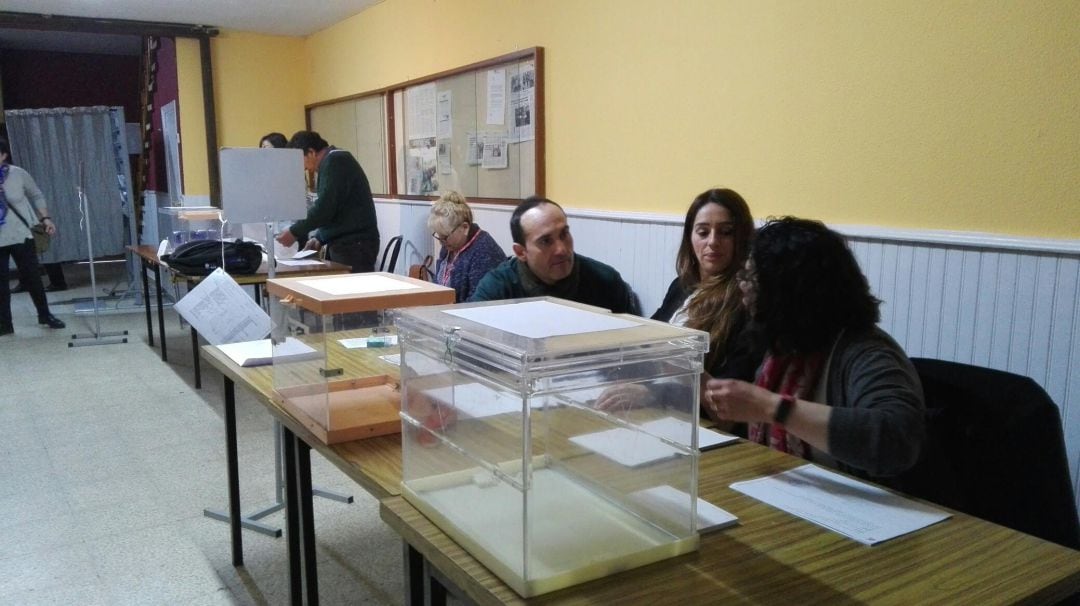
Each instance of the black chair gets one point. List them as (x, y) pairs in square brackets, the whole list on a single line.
[(393, 247), (995, 450)]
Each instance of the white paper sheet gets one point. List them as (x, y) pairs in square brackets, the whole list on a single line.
[(262, 352), (475, 400), (444, 125), (222, 312), (496, 96), (420, 111), (393, 359), (357, 284), (366, 342), (307, 252), (854, 509), (678, 430), (300, 262), (540, 319), (626, 446), (673, 504)]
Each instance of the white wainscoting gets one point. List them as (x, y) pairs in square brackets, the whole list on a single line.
[(1001, 302)]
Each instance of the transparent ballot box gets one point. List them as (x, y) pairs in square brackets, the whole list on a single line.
[(556, 442), (333, 349), (182, 224)]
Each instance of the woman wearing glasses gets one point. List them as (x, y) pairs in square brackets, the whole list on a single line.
[(833, 387), (468, 252)]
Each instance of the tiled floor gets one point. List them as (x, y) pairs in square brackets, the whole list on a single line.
[(109, 456)]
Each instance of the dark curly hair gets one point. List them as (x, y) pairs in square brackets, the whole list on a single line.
[(809, 287), (307, 139), (275, 139)]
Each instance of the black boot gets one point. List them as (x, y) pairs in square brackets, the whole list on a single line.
[(6, 329), (52, 321), (18, 289)]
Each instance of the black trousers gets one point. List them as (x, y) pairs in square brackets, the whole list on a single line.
[(26, 261), (359, 255)]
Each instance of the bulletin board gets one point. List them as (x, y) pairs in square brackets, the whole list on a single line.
[(477, 129)]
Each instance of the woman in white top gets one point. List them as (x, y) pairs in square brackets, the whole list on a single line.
[(21, 206)]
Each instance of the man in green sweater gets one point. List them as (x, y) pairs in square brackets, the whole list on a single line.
[(544, 264), (343, 215)]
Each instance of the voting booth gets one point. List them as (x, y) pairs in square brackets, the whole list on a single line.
[(332, 343), (556, 442)]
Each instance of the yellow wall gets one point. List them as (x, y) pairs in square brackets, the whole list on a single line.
[(905, 113), (259, 87)]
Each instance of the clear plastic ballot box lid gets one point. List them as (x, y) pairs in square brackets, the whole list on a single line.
[(555, 441)]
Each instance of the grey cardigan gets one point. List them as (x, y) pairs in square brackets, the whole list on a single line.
[(877, 427), (23, 195)]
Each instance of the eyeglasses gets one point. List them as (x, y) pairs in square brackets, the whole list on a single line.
[(442, 238)]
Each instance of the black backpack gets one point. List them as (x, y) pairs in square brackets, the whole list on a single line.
[(202, 257)]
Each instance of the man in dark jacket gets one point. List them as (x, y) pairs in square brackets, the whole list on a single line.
[(544, 264), (344, 212)]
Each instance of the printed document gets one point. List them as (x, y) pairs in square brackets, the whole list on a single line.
[(357, 284), (222, 312), (852, 508)]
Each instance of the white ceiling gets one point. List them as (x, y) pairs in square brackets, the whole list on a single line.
[(280, 17)]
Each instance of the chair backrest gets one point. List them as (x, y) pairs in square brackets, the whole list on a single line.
[(995, 450), (393, 247)]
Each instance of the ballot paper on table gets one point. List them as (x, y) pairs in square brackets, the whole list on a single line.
[(222, 312), (678, 430), (855, 509), (475, 400), (262, 352), (671, 504), (627, 446), (357, 284), (300, 262)]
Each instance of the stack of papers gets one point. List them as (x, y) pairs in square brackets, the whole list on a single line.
[(635, 448), (855, 509), (259, 353)]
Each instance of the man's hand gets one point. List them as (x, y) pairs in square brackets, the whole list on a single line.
[(286, 238), (313, 244)]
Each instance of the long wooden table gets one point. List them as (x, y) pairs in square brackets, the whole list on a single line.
[(773, 557), (152, 263), (769, 557)]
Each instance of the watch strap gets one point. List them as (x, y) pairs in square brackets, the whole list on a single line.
[(783, 409)]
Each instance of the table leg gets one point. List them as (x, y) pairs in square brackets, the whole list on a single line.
[(414, 576), (195, 357), (234, 472), (146, 302), (307, 521), (258, 294), (436, 591), (160, 312), (292, 519)]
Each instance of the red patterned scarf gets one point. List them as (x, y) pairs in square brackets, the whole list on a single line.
[(795, 376)]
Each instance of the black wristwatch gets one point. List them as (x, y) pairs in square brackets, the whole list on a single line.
[(783, 409)]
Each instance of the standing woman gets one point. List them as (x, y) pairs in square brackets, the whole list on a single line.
[(21, 202), (833, 388), (468, 252)]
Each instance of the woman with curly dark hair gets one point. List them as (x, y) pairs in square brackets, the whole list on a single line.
[(833, 388)]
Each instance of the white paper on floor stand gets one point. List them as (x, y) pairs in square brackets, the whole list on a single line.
[(97, 337)]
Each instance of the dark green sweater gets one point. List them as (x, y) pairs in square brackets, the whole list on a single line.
[(598, 285), (345, 207)]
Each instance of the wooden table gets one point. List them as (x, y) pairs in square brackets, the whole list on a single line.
[(772, 557), (150, 261)]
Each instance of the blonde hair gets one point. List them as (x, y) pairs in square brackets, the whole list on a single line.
[(449, 211)]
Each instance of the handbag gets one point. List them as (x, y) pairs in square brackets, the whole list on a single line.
[(422, 271), (41, 237)]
